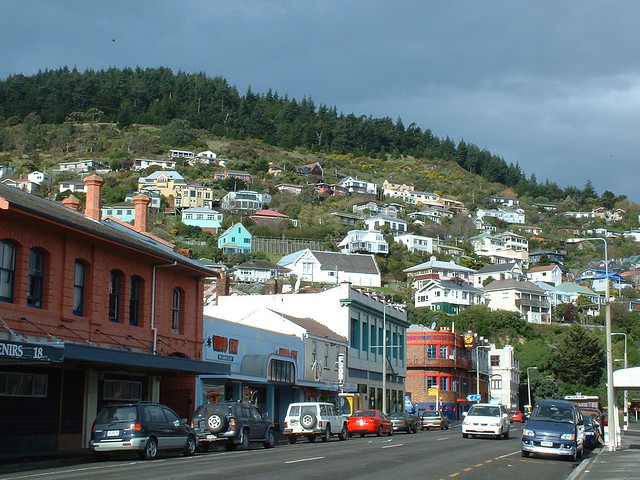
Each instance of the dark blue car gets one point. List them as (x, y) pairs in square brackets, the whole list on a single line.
[(555, 428)]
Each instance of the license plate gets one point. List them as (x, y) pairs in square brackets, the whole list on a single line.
[(546, 444), (211, 437), (113, 433)]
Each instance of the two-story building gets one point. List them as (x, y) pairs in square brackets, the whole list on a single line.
[(364, 241), (93, 312)]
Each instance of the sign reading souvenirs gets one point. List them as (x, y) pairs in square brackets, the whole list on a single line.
[(31, 351)]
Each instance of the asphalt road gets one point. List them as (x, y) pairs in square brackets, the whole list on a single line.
[(426, 455)]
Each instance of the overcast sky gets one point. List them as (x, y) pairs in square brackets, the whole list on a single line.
[(553, 86)]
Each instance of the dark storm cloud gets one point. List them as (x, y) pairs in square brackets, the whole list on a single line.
[(551, 85)]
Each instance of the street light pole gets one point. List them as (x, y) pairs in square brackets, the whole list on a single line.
[(384, 357), (478, 347), (626, 392), (611, 401), (529, 384)]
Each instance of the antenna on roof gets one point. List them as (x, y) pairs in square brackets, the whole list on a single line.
[(433, 326)]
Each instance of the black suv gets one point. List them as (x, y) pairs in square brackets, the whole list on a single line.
[(144, 427), (234, 423)]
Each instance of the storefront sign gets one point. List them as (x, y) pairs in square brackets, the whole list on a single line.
[(31, 351)]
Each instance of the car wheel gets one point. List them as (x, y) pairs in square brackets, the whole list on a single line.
[(216, 422), (190, 446), (244, 439), (343, 435), (311, 438), (506, 434), (270, 442), (308, 420), (390, 431), (525, 454), (464, 435), (150, 449), (379, 434), (326, 435), (292, 439)]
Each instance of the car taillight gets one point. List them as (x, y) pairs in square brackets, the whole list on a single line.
[(93, 429), (232, 424), (285, 424), (320, 423), (136, 427)]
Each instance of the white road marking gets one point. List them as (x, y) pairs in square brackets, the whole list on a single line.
[(310, 459)]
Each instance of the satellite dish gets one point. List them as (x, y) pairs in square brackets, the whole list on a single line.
[(433, 326)]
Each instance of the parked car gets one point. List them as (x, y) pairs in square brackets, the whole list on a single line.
[(433, 419), (556, 427), (517, 416), (404, 422), (143, 427), (591, 432), (236, 424), (309, 419), (486, 419), (363, 422)]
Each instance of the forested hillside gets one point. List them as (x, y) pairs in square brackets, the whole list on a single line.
[(157, 96)]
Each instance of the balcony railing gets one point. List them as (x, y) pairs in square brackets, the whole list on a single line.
[(421, 362)]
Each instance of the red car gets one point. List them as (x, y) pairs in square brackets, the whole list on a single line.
[(517, 416), (369, 421)]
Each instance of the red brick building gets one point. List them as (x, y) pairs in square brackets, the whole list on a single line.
[(91, 311), (440, 371)]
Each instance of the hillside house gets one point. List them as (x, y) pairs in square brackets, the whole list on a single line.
[(526, 298), (194, 196), (313, 171), (81, 166), (503, 214), (164, 181), (244, 202), (416, 243), (353, 185), (447, 296), (235, 239), (418, 275), (207, 219), (549, 274), (333, 268), (499, 271), (364, 241), (239, 174), (142, 163), (394, 225), (21, 184), (259, 271)]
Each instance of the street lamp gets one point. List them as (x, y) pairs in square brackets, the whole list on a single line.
[(611, 401), (529, 384), (626, 392), (478, 347)]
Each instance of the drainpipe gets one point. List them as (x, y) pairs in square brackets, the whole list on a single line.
[(154, 329)]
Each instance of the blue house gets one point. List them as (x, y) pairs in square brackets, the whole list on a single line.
[(207, 219), (235, 239)]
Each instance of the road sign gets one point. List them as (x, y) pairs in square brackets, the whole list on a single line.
[(473, 397)]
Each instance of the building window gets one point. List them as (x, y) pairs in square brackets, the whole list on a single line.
[(281, 371), (23, 384), (176, 309), (7, 270), (443, 351), (115, 295), (432, 382), (431, 351), (79, 273), (122, 390), (135, 298), (443, 383), (365, 336), (36, 278), (496, 383), (355, 333), (495, 360)]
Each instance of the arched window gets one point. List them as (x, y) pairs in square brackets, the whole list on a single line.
[(7, 270), (79, 275), (115, 295), (176, 310), (135, 300), (35, 290)]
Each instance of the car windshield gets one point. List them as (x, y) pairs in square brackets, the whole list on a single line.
[(361, 413), (484, 411), (552, 413), (121, 413)]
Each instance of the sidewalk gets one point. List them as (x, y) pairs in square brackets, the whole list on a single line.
[(623, 464)]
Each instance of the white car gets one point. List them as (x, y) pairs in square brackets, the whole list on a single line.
[(311, 419), (486, 419)]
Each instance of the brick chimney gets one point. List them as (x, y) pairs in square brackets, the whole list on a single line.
[(93, 206), (222, 285), (72, 203), (141, 203)]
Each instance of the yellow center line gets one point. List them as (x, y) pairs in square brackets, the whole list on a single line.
[(479, 464), (467, 469), (454, 474)]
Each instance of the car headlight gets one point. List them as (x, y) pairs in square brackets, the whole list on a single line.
[(528, 433), (567, 436)]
